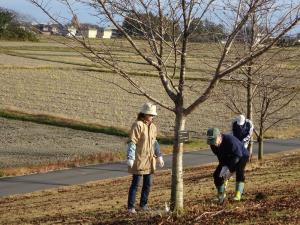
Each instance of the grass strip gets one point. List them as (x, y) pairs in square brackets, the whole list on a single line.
[(61, 122), (76, 161), (84, 126)]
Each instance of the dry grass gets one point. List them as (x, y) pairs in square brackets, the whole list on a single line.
[(61, 84), (87, 96), (56, 85), (82, 95), (283, 133), (56, 164), (27, 146), (272, 197)]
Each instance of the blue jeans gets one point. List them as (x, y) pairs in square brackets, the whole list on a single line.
[(145, 190)]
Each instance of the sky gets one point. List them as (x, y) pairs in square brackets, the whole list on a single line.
[(26, 8)]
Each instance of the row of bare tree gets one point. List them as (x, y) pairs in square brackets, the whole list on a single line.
[(168, 44)]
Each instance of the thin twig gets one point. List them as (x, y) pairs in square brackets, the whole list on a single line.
[(209, 213)]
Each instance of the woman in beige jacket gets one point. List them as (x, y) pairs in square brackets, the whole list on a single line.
[(142, 151)]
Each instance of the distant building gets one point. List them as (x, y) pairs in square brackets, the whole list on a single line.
[(80, 30), (100, 32), (88, 30), (110, 32), (71, 31), (43, 29), (89, 33), (55, 29), (49, 29)]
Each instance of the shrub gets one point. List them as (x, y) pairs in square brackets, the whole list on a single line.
[(11, 28)]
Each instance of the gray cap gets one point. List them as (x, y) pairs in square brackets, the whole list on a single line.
[(212, 134)]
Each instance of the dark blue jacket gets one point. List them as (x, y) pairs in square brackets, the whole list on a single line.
[(242, 132), (230, 151)]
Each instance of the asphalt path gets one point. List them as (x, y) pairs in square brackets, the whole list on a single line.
[(35, 182)]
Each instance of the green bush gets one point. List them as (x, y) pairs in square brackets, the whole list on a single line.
[(11, 28), (18, 34)]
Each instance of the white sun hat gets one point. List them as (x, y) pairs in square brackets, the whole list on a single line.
[(149, 109), (240, 120)]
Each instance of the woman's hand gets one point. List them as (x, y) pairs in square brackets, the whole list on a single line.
[(130, 162), (161, 161)]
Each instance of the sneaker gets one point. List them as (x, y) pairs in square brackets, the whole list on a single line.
[(132, 211)]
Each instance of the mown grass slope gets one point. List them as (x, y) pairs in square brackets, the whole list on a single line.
[(271, 197)]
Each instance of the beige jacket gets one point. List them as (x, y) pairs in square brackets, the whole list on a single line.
[(143, 136)]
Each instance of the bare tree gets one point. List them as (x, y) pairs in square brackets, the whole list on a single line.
[(254, 81), (166, 48), (274, 89), (274, 94)]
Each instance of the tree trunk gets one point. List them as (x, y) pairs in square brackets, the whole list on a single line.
[(250, 110), (260, 147), (177, 168), (260, 142)]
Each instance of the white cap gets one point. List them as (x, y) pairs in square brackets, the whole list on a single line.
[(149, 109), (240, 120)]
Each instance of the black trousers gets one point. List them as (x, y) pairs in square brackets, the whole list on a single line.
[(239, 169)]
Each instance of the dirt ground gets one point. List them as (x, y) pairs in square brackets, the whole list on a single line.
[(26, 143), (271, 196)]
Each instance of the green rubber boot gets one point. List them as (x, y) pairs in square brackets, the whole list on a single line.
[(239, 191), (221, 193)]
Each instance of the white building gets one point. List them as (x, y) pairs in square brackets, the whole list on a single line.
[(90, 33), (71, 31), (107, 33), (110, 32)]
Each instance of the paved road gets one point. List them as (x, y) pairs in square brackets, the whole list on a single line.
[(30, 183)]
